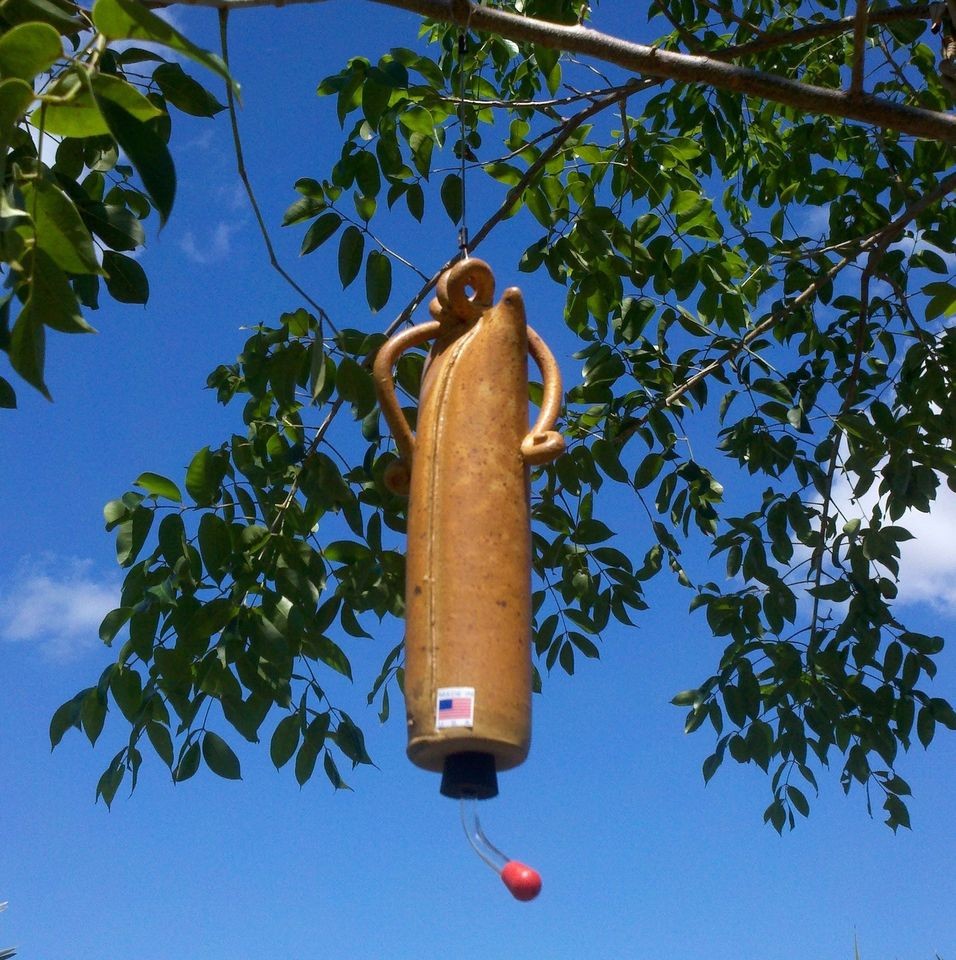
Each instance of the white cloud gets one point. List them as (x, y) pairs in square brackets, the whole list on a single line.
[(56, 603), (815, 221), (927, 562), (217, 247)]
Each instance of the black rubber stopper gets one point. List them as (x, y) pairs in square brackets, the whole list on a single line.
[(469, 774)]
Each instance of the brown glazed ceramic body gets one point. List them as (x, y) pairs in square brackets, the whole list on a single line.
[(468, 579)]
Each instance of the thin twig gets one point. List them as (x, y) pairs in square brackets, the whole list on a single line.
[(247, 183), (279, 518), (690, 41), (730, 15), (836, 434), (859, 46), (820, 31), (514, 194), (534, 104)]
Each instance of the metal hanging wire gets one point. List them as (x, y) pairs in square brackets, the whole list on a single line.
[(523, 882), (462, 143), (476, 836)]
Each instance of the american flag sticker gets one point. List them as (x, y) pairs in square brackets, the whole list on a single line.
[(455, 707)]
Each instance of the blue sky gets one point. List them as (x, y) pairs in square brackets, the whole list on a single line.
[(639, 859)]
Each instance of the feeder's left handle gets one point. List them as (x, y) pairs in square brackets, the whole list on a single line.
[(386, 358)]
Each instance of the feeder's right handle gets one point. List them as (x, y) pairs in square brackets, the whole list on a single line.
[(543, 443), (382, 369)]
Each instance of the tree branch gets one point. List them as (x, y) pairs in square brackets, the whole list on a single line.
[(860, 23), (247, 183), (821, 31), (666, 64), (616, 95)]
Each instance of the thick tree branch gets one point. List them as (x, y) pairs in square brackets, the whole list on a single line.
[(667, 65)]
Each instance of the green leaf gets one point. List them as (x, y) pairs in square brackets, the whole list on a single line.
[(75, 114), (332, 772), (126, 685), (351, 741), (686, 698), (799, 801), (333, 656), (51, 296), (113, 622), (185, 93), (8, 396), (285, 739), (375, 97), (305, 208), (925, 726), (28, 348), (415, 201), (161, 740), (305, 760), (126, 280), (116, 225), (566, 658), (159, 486), (378, 280), (608, 458), (319, 232), (188, 763), (93, 714), (28, 50), (145, 149), (202, 479), (367, 175), (15, 98), (942, 300), (60, 232), (210, 618), (711, 764), (126, 96), (46, 11), (648, 470), (356, 386), (451, 196), (130, 20), (215, 545), (219, 756), (111, 779), (172, 539), (416, 119), (351, 249), (591, 531), (67, 715), (131, 535)]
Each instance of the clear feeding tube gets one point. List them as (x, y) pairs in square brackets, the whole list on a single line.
[(523, 882)]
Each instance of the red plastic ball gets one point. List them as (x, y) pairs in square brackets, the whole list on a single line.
[(522, 882)]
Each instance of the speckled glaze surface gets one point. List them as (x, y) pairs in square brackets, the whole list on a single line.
[(468, 579)]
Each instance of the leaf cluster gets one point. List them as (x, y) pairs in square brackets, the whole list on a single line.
[(759, 304)]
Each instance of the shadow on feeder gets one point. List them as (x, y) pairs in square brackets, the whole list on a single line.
[(468, 568)]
